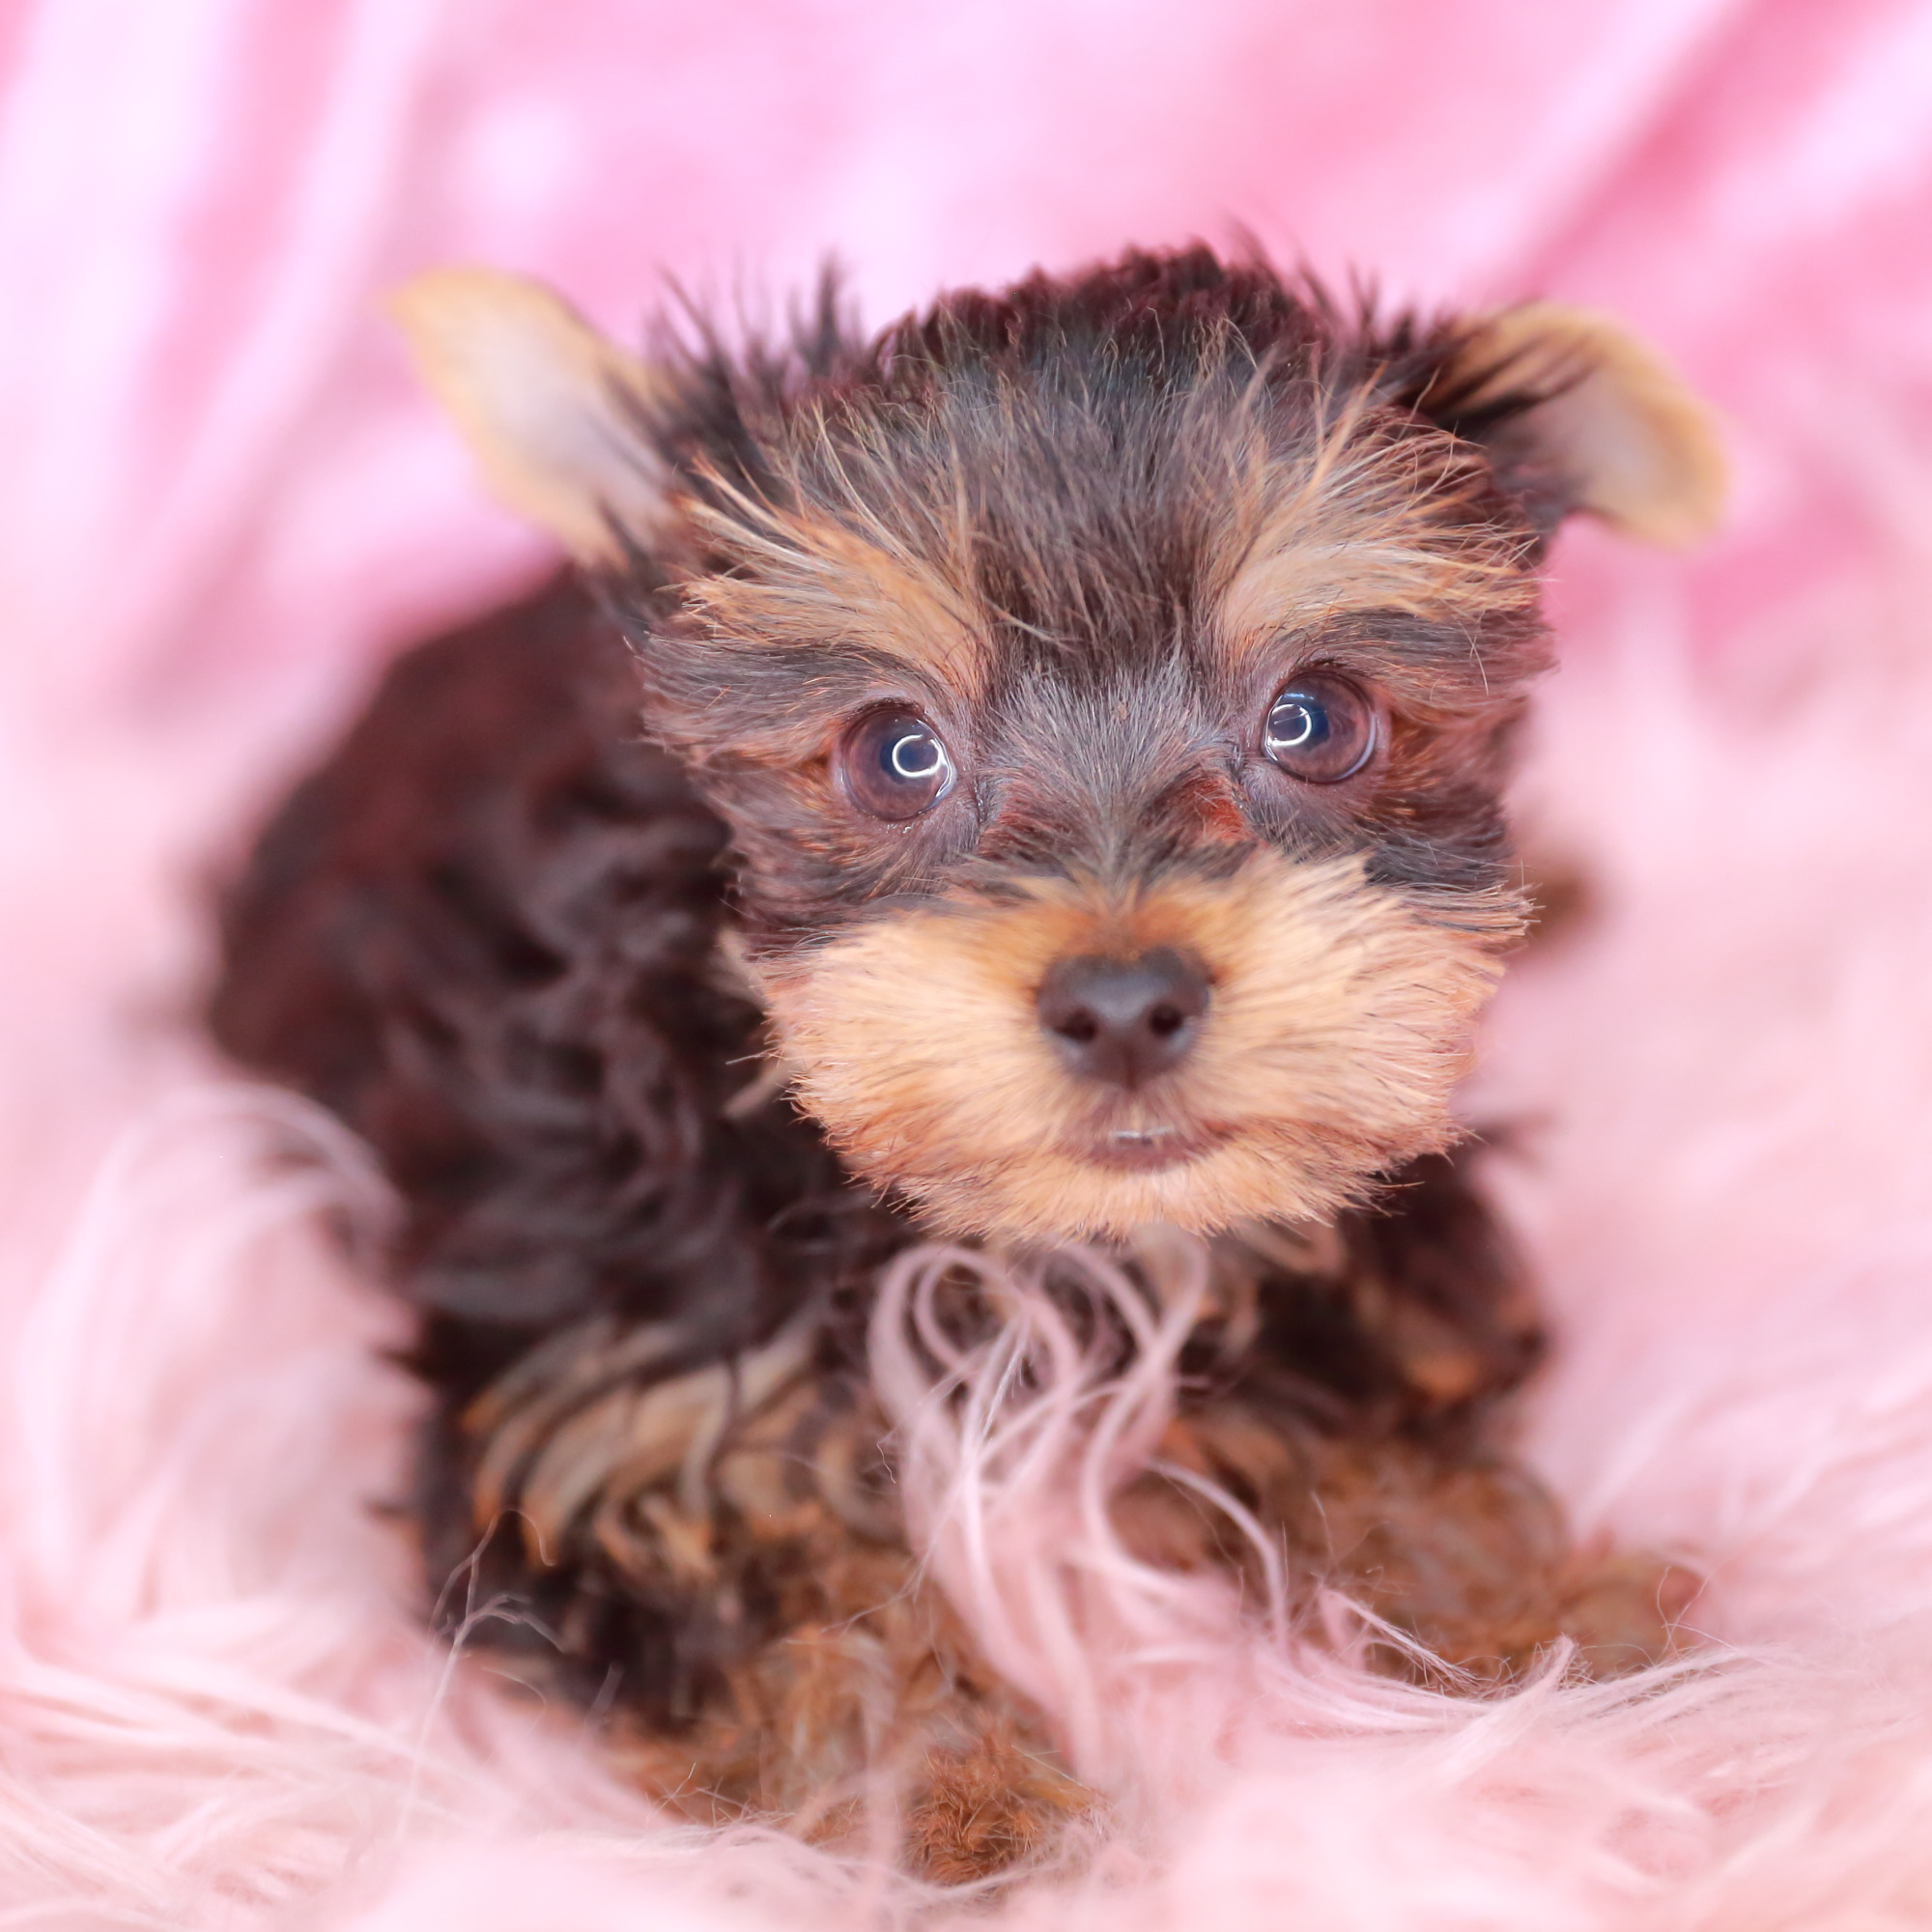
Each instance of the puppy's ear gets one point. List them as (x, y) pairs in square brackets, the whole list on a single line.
[(1579, 415), (550, 409)]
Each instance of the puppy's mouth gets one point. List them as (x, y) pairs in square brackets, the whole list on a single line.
[(1147, 1149)]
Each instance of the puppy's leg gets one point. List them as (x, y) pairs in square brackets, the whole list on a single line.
[(1354, 1395), (712, 1551)]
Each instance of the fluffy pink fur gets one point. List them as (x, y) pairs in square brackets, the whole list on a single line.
[(220, 500)]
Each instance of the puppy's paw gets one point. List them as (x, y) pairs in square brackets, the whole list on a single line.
[(1456, 1552), (1626, 1609)]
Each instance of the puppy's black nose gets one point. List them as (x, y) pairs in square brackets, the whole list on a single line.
[(1125, 1020)]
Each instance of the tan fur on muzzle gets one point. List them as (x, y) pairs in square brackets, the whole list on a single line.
[(1338, 1024)]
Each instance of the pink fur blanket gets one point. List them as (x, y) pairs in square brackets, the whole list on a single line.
[(220, 501)]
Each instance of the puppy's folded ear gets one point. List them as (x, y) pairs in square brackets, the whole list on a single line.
[(552, 411), (1581, 415)]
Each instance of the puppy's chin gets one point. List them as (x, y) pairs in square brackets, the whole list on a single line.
[(1339, 1021), (1052, 1195)]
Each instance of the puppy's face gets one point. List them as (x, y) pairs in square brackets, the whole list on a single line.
[(1110, 689)]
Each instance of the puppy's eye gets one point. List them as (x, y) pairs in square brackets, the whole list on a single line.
[(1321, 728), (894, 765)]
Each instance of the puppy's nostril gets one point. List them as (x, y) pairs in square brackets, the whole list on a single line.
[(1125, 1020)]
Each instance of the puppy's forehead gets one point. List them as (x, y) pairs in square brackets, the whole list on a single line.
[(1038, 522)]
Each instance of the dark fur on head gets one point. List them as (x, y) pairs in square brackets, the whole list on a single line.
[(1095, 521), (559, 971)]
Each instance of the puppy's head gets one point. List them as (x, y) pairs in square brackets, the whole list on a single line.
[(1110, 688)]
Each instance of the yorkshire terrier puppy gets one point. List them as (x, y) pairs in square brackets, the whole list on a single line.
[(1030, 776)]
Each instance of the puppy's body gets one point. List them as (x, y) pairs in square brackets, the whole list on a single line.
[(1073, 735)]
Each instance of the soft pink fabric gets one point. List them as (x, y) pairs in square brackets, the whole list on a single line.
[(221, 501)]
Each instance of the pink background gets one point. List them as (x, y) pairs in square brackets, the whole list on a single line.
[(221, 501)]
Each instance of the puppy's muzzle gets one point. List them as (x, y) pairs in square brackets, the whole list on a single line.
[(1124, 1022)]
